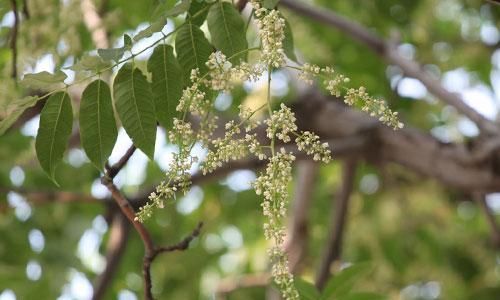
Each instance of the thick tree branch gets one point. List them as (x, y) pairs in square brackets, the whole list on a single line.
[(389, 53), (421, 153), (338, 223), (118, 237), (302, 198)]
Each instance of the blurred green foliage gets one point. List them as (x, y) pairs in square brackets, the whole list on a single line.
[(423, 240)]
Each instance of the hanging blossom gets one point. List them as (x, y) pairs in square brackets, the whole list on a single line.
[(273, 185), (335, 83), (271, 33), (240, 136)]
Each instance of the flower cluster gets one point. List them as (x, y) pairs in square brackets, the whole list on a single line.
[(273, 185), (240, 137), (375, 107), (311, 145), (222, 75), (271, 33), (335, 83), (281, 123), (193, 98)]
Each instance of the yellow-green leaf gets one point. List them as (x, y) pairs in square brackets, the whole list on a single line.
[(14, 110)]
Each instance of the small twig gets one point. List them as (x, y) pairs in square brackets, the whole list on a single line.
[(113, 170), (490, 218), (334, 244), (150, 250), (13, 38), (182, 245), (151, 255), (118, 237), (128, 211)]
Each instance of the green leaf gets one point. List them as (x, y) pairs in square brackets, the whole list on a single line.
[(135, 107), (162, 9), (342, 283), (198, 8), (97, 123), (111, 54), (156, 26), (193, 49), (166, 83), (307, 290), (43, 80), (14, 110), (89, 63), (288, 46), (56, 123), (227, 30), (270, 4)]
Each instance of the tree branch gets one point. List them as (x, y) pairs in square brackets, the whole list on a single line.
[(118, 237), (490, 218), (13, 38), (114, 169), (182, 245), (298, 228), (26, 12), (338, 223), (389, 53)]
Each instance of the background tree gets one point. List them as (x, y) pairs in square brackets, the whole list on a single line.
[(412, 212)]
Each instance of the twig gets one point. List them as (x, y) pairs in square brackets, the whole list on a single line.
[(182, 245), (150, 250), (114, 169), (490, 218), (13, 39), (117, 241), (128, 211), (387, 51), (334, 244), (303, 195)]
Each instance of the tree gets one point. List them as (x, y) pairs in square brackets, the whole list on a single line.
[(146, 103)]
